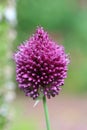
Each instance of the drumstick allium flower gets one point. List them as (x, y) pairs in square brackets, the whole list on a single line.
[(41, 65)]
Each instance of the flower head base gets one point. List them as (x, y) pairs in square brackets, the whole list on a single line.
[(41, 65)]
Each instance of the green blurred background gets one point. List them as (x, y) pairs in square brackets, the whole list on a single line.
[(66, 22)]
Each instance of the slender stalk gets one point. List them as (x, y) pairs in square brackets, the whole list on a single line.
[(46, 113)]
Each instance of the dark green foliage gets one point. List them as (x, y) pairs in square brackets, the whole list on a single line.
[(54, 15), (65, 17)]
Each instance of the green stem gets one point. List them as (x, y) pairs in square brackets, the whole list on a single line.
[(46, 113)]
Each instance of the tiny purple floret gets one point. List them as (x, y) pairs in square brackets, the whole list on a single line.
[(41, 65)]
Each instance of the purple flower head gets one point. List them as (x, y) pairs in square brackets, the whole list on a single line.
[(41, 65)]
